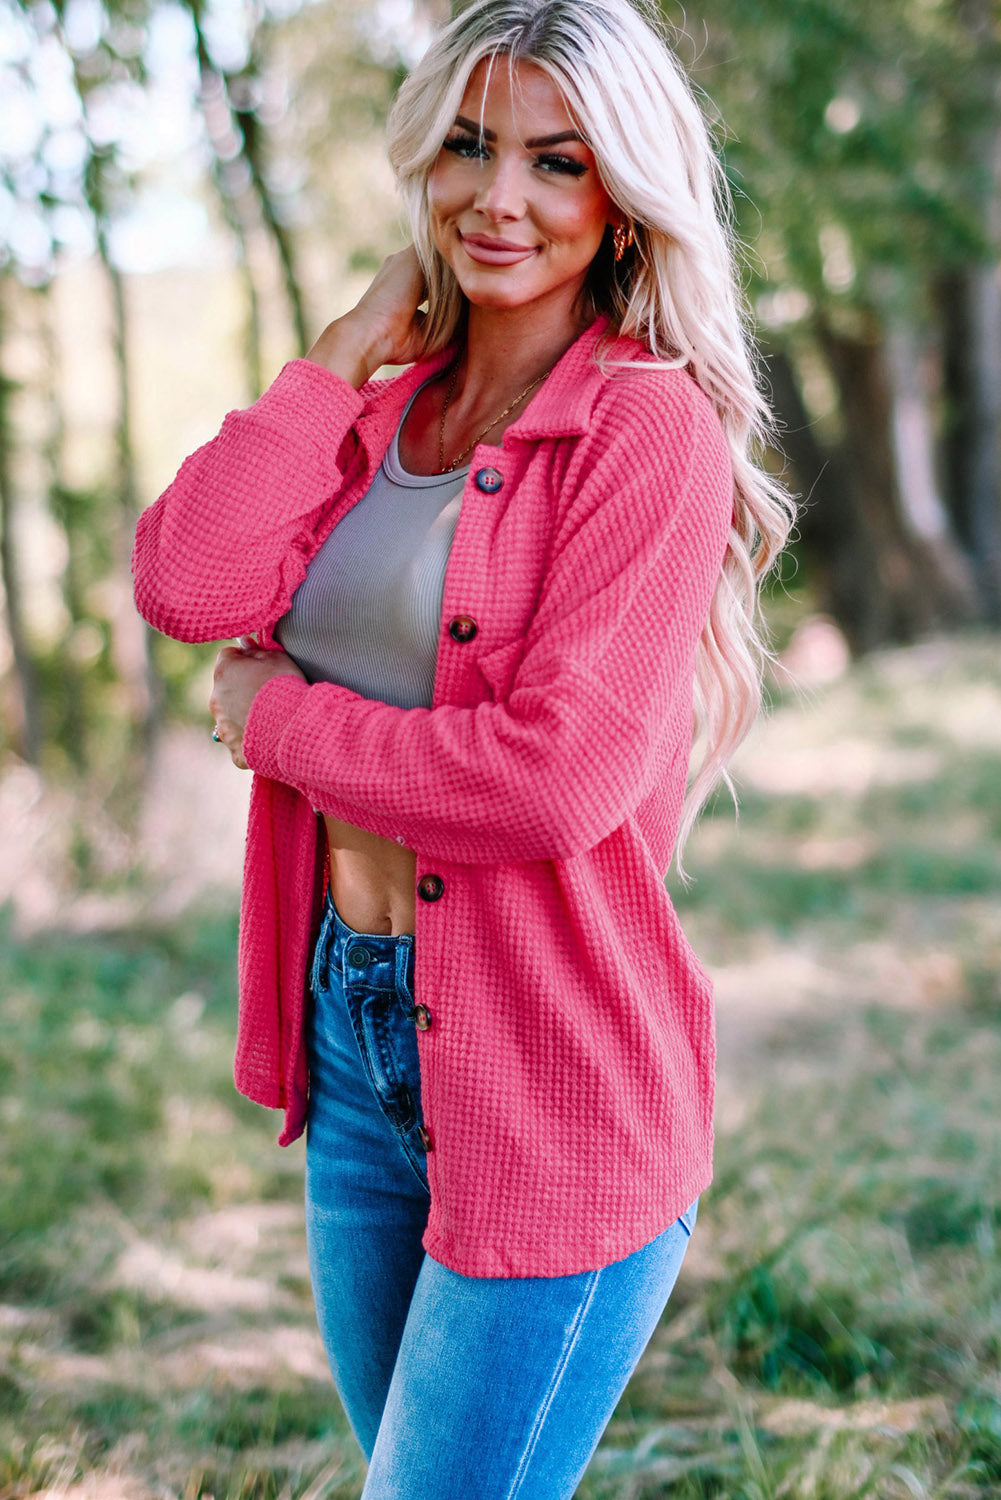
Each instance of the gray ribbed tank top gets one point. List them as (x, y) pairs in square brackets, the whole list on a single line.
[(368, 612)]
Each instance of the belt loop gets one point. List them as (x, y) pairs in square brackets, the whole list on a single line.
[(404, 947), (321, 956)]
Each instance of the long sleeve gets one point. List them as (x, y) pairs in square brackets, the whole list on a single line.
[(220, 552), (606, 666)]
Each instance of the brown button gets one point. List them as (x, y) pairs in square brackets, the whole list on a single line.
[(422, 1017), (424, 1136), (430, 887), (489, 480), (462, 628)]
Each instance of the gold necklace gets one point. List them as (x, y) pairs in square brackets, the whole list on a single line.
[(444, 468)]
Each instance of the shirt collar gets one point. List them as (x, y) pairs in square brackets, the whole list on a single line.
[(562, 407)]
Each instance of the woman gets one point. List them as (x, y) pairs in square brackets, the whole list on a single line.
[(469, 782)]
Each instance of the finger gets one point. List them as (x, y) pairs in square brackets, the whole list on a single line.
[(227, 655)]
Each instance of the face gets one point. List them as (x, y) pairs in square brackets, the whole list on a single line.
[(518, 214)]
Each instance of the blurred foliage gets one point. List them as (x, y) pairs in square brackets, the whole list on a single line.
[(845, 127)]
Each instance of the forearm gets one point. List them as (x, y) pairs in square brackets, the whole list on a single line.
[(499, 782)]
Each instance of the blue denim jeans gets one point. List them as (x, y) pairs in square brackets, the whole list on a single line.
[(456, 1386)]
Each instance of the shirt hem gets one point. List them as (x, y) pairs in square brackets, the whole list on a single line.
[(496, 1263)]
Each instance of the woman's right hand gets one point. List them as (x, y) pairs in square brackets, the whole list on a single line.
[(385, 328)]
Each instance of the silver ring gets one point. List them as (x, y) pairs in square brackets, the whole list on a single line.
[(216, 735)]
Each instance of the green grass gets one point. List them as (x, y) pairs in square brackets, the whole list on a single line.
[(836, 1331)]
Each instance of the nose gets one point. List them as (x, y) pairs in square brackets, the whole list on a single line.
[(500, 195)]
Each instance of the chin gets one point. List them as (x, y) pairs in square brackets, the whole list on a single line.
[(507, 293), (478, 297)]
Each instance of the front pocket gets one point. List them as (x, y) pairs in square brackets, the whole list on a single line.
[(415, 1156)]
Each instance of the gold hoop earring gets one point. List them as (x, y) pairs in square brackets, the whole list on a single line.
[(622, 238)]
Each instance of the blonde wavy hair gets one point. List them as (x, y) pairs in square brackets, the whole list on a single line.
[(676, 290)]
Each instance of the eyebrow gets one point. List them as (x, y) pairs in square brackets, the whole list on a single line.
[(539, 140)]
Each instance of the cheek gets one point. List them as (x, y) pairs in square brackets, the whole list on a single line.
[(433, 195), (585, 219), (585, 230), (442, 190)]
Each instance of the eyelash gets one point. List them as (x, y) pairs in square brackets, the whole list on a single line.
[(465, 146)]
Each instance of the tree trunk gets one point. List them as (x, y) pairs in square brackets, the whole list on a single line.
[(971, 320), (239, 125), (248, 126), (64, 506), (881, 580), (922, 511), (970, 301), (843, 568), (28, 732), (132, 637), (218, 125), (132, 641)]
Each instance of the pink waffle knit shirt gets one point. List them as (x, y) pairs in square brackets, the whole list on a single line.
[(567, 1076)]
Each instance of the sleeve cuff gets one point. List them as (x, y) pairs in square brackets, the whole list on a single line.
[(275, 704)]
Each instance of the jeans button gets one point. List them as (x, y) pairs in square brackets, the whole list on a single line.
[(359, 956)]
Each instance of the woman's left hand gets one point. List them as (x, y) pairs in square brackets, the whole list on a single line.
[(240, 673)]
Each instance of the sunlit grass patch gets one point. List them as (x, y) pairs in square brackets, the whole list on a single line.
[(260, 1417)]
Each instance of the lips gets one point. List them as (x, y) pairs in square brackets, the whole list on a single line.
[(493, 252)]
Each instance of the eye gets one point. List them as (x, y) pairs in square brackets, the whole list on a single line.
[(553, 162), (465, 146)]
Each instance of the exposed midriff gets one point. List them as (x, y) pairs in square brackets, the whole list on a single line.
[(372, 879)]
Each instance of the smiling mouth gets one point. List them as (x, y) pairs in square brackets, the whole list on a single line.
[(490, 252)]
